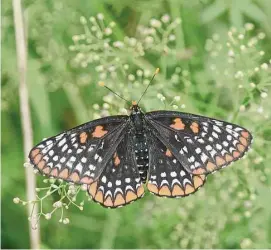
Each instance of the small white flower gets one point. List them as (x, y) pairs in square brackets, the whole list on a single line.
[(177, 98), (131, 77), (174, 106), (99, 68), (165, 18), (242, 108), (106, 106), (249, 26), (48, 216), (183, 106), (81, 208), (260, 110), (261, 53), (16, 200), (159, 95), (256, 69), (112, 68), (243, 47), (108, 31), (147, 72), (240, 86), (57, 204), (132, 41), (155, 23), (149, 39), (112, 24), (252, 85), (66, 221), (241, 36), (83, 20), (92, 19), (118, 44), (261, 35), (139, 72), (264, 66), (100, 16), (239, 74), (230, 53), (172, 37), (126, 66), (264, 95)]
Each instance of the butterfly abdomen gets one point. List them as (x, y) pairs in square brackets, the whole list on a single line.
[(142, 155)]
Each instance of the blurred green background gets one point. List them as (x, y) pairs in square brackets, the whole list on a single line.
[(214, 58)]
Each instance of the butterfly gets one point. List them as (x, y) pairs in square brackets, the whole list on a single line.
[(169, 152)]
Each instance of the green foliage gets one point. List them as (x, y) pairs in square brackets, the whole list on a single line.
[(214, 58)]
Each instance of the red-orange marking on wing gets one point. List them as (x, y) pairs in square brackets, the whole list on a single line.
[(34, 152), (99, 196), (199, 171), (86, 180), (189, 189), (74, 177), (41, 164), (177, 190), (119, 200), (93, 189), (140, 191), (164, 191), (108, 202), (245, 134), (152, 187), (99, 132), (130, 196), (37, 158), (54, 172), (195, 127), (83, 137), (116, 159), (64, 174), (168, 153), (178, 124), (210, 166), (219, 161)]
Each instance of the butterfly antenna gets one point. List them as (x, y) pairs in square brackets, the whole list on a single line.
[(103, 85), (155, 73)]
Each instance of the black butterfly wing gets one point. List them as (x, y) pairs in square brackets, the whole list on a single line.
[(79, 155), (167, 177), (119, 184), (201, 144)]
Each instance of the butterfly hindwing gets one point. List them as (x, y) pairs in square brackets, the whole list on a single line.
[(202, 145), (80, 154), (119, 184), (167, 177)]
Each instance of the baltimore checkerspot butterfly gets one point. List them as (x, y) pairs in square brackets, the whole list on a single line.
[(171, 152)]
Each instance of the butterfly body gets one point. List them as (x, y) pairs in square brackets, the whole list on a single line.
[(172, 152)]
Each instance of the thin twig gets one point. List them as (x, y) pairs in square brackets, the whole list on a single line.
[(25, 114)]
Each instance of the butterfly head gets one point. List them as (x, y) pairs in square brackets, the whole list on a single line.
[(135, 109)]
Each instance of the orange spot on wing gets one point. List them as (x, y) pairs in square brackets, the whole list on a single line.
[(119, 200), (116, 160), (140, 191), (37, 158), (199, 171), (189, 189), (245, 134), (93, 189), (46, 170), (41, 164), (197, 181), (99, 132), (178, 124), (168, 153), (177, 190), (210, 166), (228, 158), (241, 148), (130, 196), (86, 180), (99, 196), (34, 152), (219, 161), (54, 172), (236, 154), (152, 188), (64, 174), (74, 177), (164, 191), (83, 137), (243, 141), (195, 127), (108, 202)]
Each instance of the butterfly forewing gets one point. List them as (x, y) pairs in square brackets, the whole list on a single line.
[(202, 145), (167, 177), (119, 184), (79, 155)]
